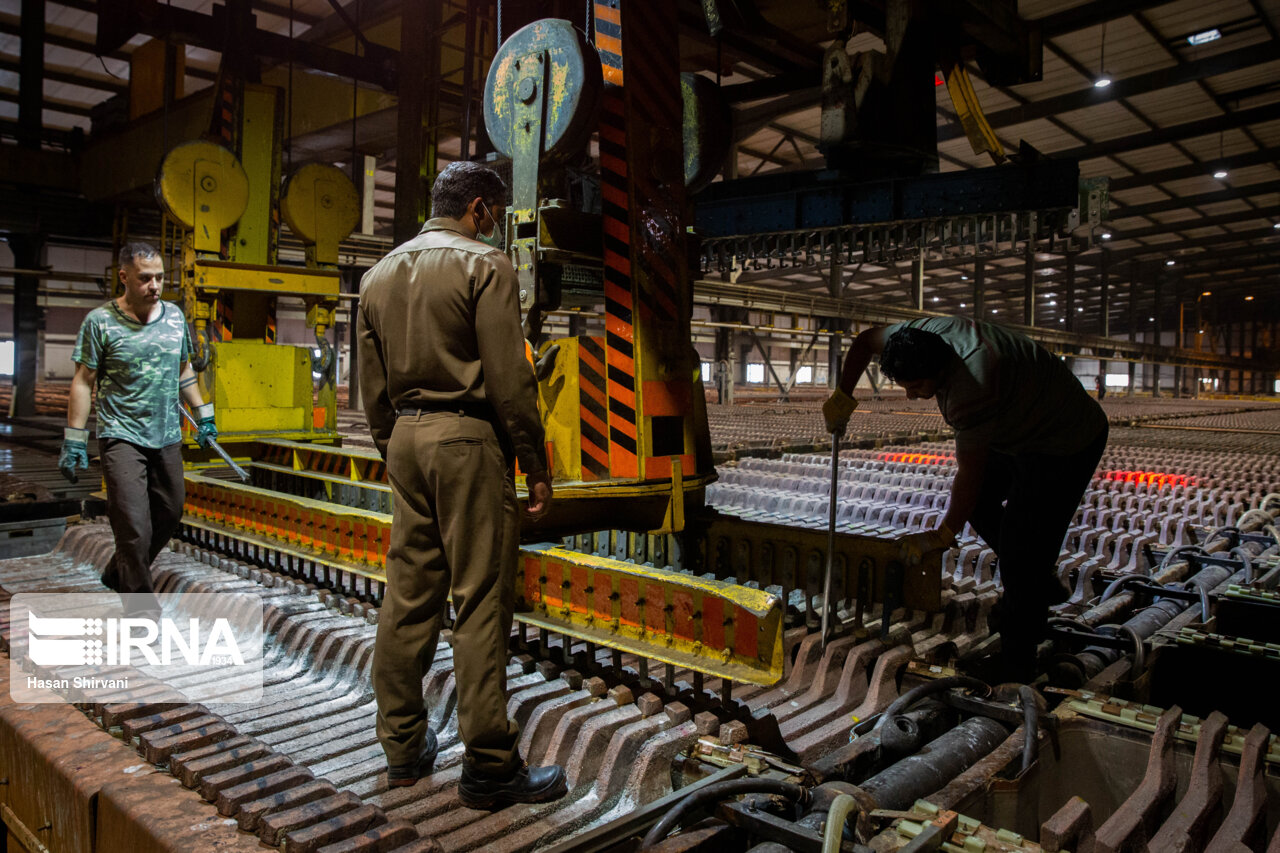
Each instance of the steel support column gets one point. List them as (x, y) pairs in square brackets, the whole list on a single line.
[(1134, 271), (28, 321), (31, 74), (1104, 321), (365, 179), (917, 282), (1157, 293), (1255, 383), (979, 288), (418, 114), (1029, 286), (835, 341)]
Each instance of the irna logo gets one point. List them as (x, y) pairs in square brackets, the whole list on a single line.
[(92, 641)]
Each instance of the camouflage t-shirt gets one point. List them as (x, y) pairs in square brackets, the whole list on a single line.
[(138, 366)]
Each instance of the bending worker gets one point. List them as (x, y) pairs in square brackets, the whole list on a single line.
[(451, 402), (1028, 438), (137, 350)]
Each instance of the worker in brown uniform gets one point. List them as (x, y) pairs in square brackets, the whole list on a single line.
[(451, 404)]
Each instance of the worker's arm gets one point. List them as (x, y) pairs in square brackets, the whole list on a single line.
[(840, 404), (81, 398), (509, 383), (866, 345), (965, 487), (75, 438), (189, 390), (373, 383)]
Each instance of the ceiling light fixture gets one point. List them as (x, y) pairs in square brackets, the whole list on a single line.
[(1151, 319), (1204, 37), (1248, 299), (1220, 174), (1207, 293), (1169, 262), (1276, 225), (1106, 235), (1103, 80), (966, 278), (961, 304)]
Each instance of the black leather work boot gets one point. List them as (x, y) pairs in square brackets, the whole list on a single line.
[(407, 775), (526, 785)]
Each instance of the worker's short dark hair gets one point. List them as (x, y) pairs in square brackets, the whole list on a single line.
[(912, 354), (462, 181), (136, 249)]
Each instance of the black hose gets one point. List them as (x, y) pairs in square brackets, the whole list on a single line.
[(716, 793), (1030, 725), (920, 691)]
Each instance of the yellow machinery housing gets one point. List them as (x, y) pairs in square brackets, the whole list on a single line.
[(229, 208)]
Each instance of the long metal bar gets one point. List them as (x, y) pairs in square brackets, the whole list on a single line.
[(217, 448), (833, 505)]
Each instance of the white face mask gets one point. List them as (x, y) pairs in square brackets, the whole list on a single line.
[(495, 237)]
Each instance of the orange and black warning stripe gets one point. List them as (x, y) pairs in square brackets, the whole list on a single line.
[(620, 367), (221, 328), (608, 39), (654, 100), (593, 404), (270, 334)]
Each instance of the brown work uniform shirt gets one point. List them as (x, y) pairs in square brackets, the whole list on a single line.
[(438, 325)]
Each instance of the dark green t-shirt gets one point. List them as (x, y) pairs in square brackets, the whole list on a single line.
[(138, 366), (1006, 392)]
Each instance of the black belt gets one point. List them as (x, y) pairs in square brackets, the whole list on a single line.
[(483, 411)]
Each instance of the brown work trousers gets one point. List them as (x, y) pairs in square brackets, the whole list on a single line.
[(456, 530), (145, 493)]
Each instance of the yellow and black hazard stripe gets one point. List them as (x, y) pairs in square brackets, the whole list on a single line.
[(593, 402)]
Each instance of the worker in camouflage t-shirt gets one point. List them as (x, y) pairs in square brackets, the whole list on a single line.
[(136, 349)]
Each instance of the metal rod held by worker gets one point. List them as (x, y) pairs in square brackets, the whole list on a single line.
[(831, 540), (217, 448)]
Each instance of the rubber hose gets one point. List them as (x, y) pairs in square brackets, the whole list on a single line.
[(833, 831), (716, 793), (920, 691)]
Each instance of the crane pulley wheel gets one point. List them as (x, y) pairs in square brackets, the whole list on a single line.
[(552, 61), (203, 186), (320, 204)]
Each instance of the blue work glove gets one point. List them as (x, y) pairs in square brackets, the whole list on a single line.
[(75, 453), (205, 430)]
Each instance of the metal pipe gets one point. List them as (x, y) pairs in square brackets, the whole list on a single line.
[(941, 760)]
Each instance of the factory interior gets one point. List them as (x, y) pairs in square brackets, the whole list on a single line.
[(719, 634)]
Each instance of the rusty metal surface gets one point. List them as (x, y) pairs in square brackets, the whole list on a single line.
[(1134, 822), (1187, 828), (1244, 825)]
